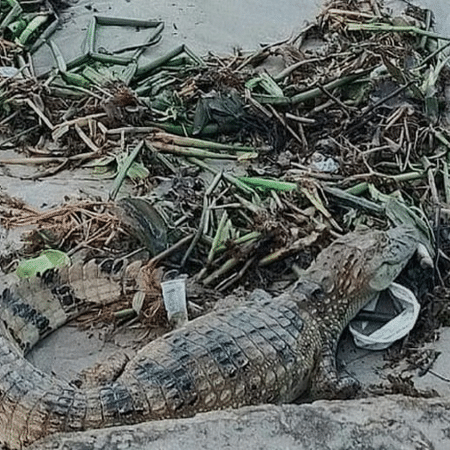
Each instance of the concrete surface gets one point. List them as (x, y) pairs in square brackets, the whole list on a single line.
[(204, 25), (373, 368), (384, 423), (69, 350)]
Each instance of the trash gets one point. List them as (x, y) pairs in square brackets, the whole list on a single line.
[(174, 297), (321, 163), (404, 309), (218, 108)]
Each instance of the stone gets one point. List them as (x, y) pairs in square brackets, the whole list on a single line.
[(379, 423)]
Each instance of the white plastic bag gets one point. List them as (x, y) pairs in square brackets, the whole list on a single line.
[(385, 335)]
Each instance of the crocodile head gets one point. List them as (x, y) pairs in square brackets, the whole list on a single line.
[(353, 269), (401, 243)]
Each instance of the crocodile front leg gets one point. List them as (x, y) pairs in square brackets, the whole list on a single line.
[(327, 382)]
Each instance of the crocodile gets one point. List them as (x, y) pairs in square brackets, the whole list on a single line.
[(268, 351)]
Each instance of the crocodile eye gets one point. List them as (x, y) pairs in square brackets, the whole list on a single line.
[(327, 284), (318, 294), (309, 289)]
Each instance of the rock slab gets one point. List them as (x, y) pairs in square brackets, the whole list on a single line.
[(391, 422)]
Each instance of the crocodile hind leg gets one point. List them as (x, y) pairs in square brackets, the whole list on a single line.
[(102, 372)]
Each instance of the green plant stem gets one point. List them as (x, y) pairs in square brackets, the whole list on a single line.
[(189, 151), (201, 143), (123, 171), (205, 212), (358, 189), (226, 267), (311, 93), (265, 183), (230, 178), (218, 237)]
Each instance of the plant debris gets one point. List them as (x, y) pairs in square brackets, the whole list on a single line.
[(244, 171)]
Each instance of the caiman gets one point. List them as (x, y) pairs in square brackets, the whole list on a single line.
[(268, 351)]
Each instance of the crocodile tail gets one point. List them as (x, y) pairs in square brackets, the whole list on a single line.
[(35, 307)]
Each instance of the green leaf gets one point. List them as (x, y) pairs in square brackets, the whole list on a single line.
[(137, 171), (48, 259)]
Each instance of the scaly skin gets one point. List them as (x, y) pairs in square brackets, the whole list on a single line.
[(268, 351)]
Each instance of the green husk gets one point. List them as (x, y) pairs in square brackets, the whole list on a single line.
[(124, 22), (446, 177), (351, 199), (143, 70), (94, 76), (89, 43), (75, 79), (384, 27), (199, 61), (15, 11), (57, 55), (45, 34), (111, 59), (209, 130), (16, 28), (358, 189), (267, 83), (189, 151), (311, 93), (128, 73)]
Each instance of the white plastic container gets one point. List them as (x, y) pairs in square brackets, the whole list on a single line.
[(174, 298)]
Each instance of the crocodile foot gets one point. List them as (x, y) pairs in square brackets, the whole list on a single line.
[(345, 387)]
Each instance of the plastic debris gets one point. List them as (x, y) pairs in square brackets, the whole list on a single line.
[(404, 307)]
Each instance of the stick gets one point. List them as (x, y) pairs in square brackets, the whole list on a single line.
[(395, 28)]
